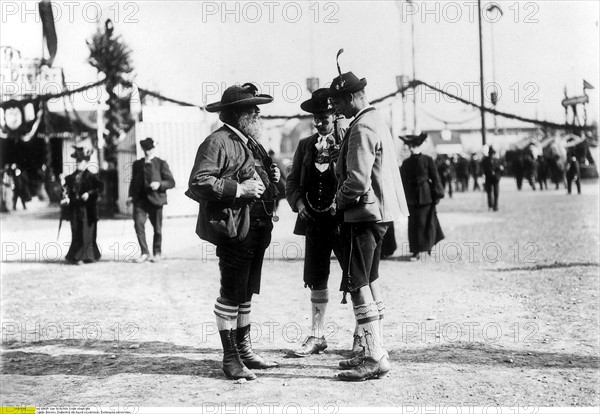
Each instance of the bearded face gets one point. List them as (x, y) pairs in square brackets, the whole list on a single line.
[(249, 122)]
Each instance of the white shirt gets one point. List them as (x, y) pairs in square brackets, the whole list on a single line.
[(322, 143)]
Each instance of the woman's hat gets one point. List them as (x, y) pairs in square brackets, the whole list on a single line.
[(318, 103), (147, 144), (413, 140), (82, 152), (239, 96)]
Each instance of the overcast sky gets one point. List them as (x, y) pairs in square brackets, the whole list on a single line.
[(188, 50)]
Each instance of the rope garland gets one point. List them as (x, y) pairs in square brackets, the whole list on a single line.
[(47, 97), (411, 85), (546, 124), (449, 122)]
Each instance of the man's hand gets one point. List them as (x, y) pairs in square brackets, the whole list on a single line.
[(129, 201), (252, 188), (154, 185), (274, 173), (85, 196), (303, 212)]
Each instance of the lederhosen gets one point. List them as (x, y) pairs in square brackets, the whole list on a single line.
[(240, 262), (322, 235)]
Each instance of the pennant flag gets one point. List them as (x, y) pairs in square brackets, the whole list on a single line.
[(587, 85), (49, 31)]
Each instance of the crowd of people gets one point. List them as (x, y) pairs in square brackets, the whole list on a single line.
[(555, 159)]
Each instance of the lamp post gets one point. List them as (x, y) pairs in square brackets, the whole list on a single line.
[(483, 140), (494, 94), (414, 74)]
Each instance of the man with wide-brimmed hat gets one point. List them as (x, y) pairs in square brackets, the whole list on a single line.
[(233, 179), (371, 196), (423, 189), (150, 180), (310, 191)]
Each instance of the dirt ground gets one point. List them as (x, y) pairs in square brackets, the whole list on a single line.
[(504, 312)]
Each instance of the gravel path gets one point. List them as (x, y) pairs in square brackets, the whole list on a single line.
[(504, 312)]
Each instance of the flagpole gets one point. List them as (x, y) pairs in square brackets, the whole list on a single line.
[(483, 140)]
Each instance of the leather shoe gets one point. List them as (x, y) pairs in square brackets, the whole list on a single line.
[(352, 362), (250, 358), (143, 258), (369, 368), (233, 367), (311, 345)]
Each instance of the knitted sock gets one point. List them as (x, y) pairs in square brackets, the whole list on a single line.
[(367, 317), (244, 315), (358, 333), (318, 302), (227, 314)]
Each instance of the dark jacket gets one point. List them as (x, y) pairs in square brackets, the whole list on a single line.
[(295, 186), (160, 173), (492, 168), (89, 183), (222, 161), (421, 181), (573, 170)]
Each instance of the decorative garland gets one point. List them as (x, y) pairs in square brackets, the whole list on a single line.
[(546, 124), (449, 122), (47, 97), (411, 85)]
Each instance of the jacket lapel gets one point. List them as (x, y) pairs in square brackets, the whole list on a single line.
[(308, 151)]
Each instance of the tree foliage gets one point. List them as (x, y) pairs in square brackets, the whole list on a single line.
[(111, 56)]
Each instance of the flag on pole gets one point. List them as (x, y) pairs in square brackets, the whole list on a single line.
[(48, 28), (587, 85)]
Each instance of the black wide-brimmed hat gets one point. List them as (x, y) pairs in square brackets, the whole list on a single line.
[(147, 144), (82, 152), (414, 140), (318, 103), (346, 83), (239, 96)]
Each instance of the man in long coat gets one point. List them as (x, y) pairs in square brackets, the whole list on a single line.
[(233, 179)]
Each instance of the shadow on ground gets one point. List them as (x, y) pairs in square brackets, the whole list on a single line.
[(102, 359)]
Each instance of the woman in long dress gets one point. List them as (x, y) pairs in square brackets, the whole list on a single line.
[(423, 190), (80, 207)]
